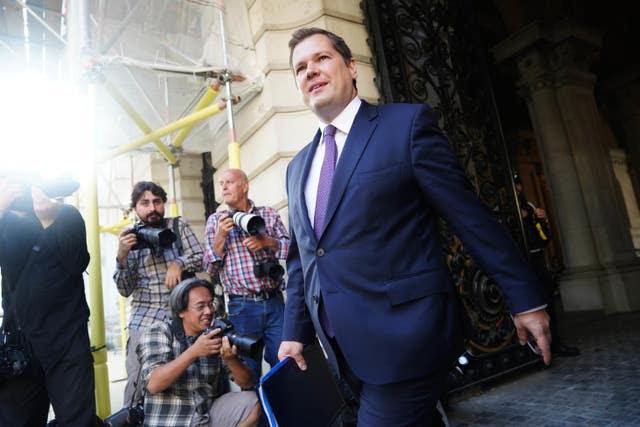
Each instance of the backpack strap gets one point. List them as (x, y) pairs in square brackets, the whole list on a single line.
[(176, 231)]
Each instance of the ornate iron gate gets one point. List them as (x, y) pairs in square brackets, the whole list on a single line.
[(426, 51)]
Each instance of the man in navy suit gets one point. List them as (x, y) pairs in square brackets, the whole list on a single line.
[(369, 277)]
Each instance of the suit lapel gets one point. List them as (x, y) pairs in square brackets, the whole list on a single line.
[(357, 140), (307, 159)]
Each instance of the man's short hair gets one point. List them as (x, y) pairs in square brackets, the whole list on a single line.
[(179, 298), (337, 43), (142, 186)]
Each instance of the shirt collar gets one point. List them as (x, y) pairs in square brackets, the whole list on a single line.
[(345, 119), (252, 207)]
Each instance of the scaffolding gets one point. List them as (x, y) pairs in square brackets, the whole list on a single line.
[(154, 68)]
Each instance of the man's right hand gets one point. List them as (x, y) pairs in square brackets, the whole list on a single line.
[(9, 192), (225, 225), (293, 349), (208, 344), (126, 241)]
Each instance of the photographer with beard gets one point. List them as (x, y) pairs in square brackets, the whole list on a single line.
[(43, 253), (148, 273), (182, 366)]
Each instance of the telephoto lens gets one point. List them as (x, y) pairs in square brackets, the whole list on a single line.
[(250, 223)]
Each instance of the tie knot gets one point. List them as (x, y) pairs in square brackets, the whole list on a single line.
[(330, 130)]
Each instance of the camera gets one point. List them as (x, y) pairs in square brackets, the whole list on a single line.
[(23, 202), (249, 223), (13, 361), (268, 267), (57, 187), (131, 416), (247, 345), (153, 237)]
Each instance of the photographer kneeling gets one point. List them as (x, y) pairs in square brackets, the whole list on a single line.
[(182, 366)]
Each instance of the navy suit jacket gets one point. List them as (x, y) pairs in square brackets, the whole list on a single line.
[(378, 265)]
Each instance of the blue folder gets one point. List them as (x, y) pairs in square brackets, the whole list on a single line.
[(293, 398)]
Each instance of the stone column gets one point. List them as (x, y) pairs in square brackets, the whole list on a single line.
[(570, 60), (580, 282), (552, 61), (626, 89), (620, 164)]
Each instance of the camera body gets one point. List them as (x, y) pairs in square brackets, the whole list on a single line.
[(152, 237), (24, 202), (247, 345), (268, 267), (131, 416), (13, 361)]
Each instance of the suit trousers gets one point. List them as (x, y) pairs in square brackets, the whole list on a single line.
[(411, 403)]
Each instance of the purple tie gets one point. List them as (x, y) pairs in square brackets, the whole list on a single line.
[(326, 176), (322, 198)]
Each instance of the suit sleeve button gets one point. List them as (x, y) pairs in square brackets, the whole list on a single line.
[(320, 252), (316, 299)]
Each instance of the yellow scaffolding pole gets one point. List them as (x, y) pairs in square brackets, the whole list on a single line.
[(96, 321), (207, 98), (128, 108), (165, 130), (117, 227)]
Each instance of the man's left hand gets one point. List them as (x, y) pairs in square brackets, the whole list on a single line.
[(228, 351), (174, 275), (255, 243), (535, 323)]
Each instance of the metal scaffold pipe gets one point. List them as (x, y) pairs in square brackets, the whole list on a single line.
[(165, 130), (79, 48), (139, 121), (208, 97), (234, 147)]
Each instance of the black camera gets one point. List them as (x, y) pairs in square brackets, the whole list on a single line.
[(152, 237), (247, 345), (249, 223), (131, 416), (268, 267), (57, 187), (23, 202), (13, 361)]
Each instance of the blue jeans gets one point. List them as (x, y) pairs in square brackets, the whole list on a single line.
[(263, 319)]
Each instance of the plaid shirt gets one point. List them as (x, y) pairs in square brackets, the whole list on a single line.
[(144, 275), (174, 406), (236, 273)]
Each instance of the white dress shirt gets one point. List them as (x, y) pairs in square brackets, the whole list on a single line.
[(343, 124)]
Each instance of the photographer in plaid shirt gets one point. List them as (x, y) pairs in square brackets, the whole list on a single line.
[(182, 367), (148, 274), (255, 304)]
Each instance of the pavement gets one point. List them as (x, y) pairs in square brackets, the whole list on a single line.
[(600, 387)]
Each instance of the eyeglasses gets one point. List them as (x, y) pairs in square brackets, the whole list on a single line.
[(200, 307)]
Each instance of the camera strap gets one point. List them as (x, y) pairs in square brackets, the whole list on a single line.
[(10, 325), (176, 231)]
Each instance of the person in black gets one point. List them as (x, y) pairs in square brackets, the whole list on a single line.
[(43, 253), (537, 233)]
